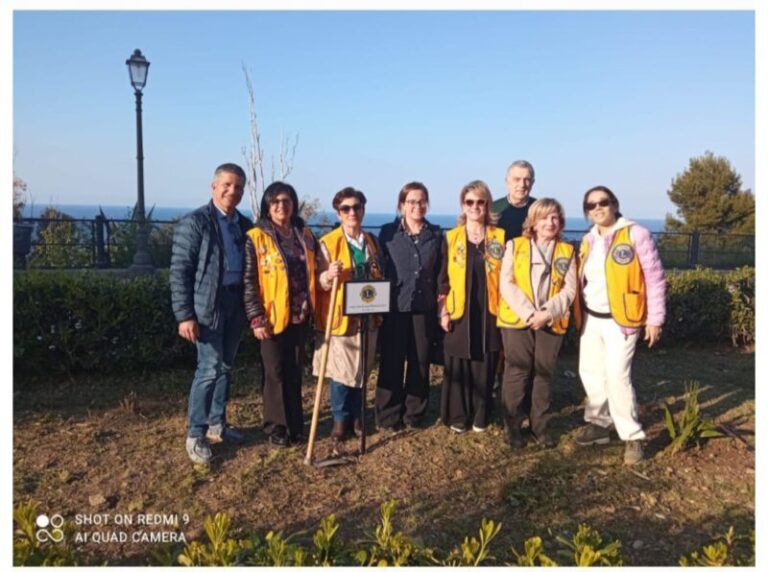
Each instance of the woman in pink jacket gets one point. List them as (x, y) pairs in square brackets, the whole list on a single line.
[(622, 290)]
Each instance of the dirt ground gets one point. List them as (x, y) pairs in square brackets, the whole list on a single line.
[(114, 446)]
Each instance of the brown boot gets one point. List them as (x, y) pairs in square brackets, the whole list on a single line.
[(339, 431)]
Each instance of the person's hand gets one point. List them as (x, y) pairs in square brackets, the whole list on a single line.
[(445, 322), (189, 330), (652, 335), (538, 319), (262, 333), (334, 270)]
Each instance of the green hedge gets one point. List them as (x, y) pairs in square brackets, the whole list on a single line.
[(96, 321)]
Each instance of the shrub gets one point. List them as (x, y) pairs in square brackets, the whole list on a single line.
[(75, 321), (731, 549)]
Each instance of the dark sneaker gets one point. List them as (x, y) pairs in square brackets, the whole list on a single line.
[(221, 433), (633, 452), (199, 450), (593, 435), (514, 437), (478, 429), (545, 440), (459, 429), (279, 437)]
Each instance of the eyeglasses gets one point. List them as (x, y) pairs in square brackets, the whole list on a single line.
[(413, 203), (473, 202), (601, 203), (280, 202), (357, 207)]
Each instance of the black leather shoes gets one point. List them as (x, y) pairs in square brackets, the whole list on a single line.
[(279, 437)]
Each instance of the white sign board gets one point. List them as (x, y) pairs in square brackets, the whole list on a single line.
[(366, 297)]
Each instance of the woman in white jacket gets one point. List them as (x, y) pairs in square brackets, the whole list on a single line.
[(622, 290)]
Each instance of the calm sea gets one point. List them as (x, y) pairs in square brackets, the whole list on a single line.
[(371, 219)]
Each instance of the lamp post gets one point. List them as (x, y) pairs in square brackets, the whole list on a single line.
[(138, 66)]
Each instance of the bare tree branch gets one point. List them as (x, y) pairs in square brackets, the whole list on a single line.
[(254, 155)]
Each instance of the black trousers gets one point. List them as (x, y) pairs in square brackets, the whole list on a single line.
[(283, 357), (530, 358), (467, 396), (406, 337)]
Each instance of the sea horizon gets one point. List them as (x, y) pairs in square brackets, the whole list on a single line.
[(372, 219)]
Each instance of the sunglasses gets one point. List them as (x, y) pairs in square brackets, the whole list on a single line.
[(281, 202), (473, 202), (357, 207), (602, 203)]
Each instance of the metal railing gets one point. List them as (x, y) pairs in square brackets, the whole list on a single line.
[(110, 243)]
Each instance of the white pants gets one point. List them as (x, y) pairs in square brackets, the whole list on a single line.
[(605, 367)]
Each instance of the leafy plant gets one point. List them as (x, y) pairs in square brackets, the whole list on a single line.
[(329, 550), (62, 242), (390, 548), (220, 549), (691, 428), (587, 548), (731, 550), (474, 551), (533, 554)]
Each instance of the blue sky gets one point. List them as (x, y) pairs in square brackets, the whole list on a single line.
[(623, 99)]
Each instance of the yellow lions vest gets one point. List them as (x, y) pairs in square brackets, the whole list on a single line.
[(338, 249), (274, 287), (624, 279), (456, 300), (561, 260)]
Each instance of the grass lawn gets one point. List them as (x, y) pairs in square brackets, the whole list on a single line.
[(115, 445)]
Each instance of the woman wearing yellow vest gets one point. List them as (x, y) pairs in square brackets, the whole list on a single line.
[(468, 302), (279, 298), (349, 253), (623, 290), (538, 285)]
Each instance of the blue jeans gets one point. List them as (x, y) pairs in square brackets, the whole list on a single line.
[(216, 351), (346, 401)]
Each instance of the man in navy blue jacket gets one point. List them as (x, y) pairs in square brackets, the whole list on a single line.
[(207, 300)]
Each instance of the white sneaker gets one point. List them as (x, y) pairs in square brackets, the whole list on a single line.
[(199, 450), (477, 429), (458, 429)]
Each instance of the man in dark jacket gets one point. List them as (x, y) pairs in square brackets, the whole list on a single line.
[(207, 299), (513, 208)]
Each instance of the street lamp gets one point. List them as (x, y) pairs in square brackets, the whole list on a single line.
[(138, 66)]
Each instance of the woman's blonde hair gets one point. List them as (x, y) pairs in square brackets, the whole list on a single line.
[(482, 191), (539, 209)]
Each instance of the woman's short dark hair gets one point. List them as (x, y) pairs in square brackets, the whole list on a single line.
[(272, 192), (407, 188), (348, 193), (611, 197)]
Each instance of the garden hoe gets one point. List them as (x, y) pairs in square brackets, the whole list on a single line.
[(336, 459)]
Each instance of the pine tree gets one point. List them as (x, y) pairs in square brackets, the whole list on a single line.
[(709, 199)]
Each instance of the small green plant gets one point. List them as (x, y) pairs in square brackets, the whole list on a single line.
[(390, 548), (474, 551), (220, 549), (691, 428), (587, 548), (29, 550), (731, 549), (532, 554), (329, 550)]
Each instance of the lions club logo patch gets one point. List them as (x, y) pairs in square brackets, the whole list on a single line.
[(623, 254), (368, 294), (495, 249), (561, 265)]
